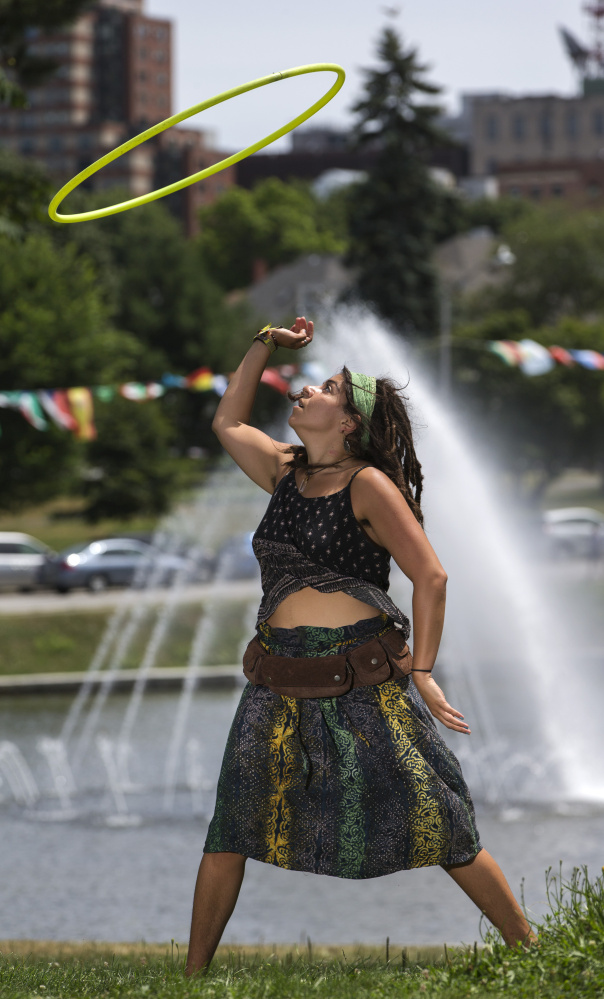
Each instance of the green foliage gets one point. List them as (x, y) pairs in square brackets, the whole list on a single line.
[(24, 192), (496, 214), (54, 331), (399, 213), (159, 289), (275, 223), (567, 962), (559, 269), (157, 285), (545, 423), (134, 472)]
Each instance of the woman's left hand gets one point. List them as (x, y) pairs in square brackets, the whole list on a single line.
[(437, 703)]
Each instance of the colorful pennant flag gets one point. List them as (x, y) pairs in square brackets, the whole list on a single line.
[(507, 350), (140, 392), (562, 356), (106, 393), (591, 359), (272, 377), (200, 380), (82, 407), (536, 359), (28, 405), (56, 404)]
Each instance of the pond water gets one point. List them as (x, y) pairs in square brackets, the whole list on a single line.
[(85, 879)]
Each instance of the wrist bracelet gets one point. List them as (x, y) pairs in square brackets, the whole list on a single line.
[(421, 670), (267, 338)]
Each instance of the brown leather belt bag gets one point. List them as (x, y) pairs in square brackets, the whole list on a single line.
[(385, 658)]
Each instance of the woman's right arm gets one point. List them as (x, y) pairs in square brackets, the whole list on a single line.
[(257, 454)]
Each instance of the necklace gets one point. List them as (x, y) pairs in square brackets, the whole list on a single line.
[(314, 471)]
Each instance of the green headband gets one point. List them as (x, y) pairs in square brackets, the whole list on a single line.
[(363, 394)]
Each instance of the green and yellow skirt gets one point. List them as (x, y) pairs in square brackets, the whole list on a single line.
[(355, 786)]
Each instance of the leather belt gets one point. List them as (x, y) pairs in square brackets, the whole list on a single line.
[(386, 657)]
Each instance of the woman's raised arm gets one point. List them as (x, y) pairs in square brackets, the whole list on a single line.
[(257, 454)]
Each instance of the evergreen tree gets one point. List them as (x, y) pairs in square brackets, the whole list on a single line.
[(399, 212)]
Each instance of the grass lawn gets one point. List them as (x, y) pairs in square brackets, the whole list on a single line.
[(57, 643), (568, 962)]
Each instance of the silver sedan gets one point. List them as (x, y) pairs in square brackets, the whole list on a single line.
[(116, 562)]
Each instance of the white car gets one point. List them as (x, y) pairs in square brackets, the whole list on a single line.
[(575, 530), (21, 559)]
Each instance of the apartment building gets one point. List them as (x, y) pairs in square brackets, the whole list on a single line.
[(114, 80)]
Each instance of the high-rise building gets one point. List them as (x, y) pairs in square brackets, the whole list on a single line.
[(114, 80)]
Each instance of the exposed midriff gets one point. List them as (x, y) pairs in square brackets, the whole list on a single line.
[(324, 610)]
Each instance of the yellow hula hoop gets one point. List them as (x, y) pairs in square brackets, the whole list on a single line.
[(143, 199)]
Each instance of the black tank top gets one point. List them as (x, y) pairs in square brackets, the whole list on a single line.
[(317, 541)]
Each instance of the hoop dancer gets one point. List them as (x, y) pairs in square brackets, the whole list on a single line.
[(333, 764)]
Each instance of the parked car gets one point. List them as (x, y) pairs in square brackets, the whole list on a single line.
[(21, 559), (114, 562), (576, 530), (235, 558)]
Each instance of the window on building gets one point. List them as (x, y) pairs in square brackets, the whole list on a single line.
[(142, 53), (27, 146), (597, 121), (594, 190), (558, 191), (572, 123), (519, 127), (546, 127), (536, 193), (56, 144), (492, 127)]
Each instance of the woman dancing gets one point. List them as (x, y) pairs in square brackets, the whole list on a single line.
[(333, 763)]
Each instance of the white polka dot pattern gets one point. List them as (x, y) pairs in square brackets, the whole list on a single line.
[(318, 542)]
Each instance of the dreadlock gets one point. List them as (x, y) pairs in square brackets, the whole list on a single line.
[(390, 446)]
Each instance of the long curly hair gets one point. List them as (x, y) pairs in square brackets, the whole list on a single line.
[(390, 447)]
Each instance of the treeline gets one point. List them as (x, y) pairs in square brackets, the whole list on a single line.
[(130, 298)]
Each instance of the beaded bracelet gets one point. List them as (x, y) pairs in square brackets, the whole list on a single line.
[(267, 338)]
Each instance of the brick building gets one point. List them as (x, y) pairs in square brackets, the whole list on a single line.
[(114, 80), (542, 129), (544, 146)]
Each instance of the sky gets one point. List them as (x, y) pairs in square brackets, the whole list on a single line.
[(468, 45)]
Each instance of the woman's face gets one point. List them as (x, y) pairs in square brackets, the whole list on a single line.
[(321, 407)]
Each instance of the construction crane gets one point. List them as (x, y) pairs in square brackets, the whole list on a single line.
[(588, 60)]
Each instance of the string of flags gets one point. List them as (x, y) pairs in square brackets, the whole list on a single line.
[(534, 359), (72, 409)]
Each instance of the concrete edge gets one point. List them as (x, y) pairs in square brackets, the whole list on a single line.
[(207, 677)]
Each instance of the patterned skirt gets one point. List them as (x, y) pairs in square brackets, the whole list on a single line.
[(355, 786)]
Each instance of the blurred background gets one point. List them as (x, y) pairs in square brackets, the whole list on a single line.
[(443, 220)]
